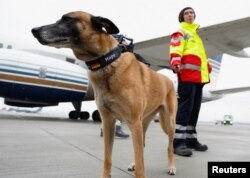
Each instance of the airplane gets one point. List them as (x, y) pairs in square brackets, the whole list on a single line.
[(37, 78)]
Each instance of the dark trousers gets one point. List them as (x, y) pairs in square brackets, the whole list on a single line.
[(189, 103)]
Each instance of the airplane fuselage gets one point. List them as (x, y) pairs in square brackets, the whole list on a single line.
[(33, 80)]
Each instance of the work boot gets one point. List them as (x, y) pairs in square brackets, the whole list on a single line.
[(183, 150), (198, 146), (119, 132)]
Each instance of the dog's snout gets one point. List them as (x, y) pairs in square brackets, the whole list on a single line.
[(35, 31)]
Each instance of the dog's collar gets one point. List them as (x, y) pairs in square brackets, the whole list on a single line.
[(105, 59)]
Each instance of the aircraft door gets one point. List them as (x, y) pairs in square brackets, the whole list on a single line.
[(69, 83), (31, 85)]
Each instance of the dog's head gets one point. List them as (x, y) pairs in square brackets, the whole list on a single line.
[(85, 34)]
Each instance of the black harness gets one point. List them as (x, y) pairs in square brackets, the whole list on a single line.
[(116, 53)]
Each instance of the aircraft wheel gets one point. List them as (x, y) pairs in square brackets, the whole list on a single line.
[(73, 115), (84, 115), (96, 116)]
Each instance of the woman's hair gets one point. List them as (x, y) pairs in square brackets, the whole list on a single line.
[(181, 14)]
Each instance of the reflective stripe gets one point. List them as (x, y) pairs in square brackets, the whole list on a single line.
[(176, 40), (191, 136), (175, 59), (180, 127), (184, 136), (190, 66), (190, 127), (179, 136)]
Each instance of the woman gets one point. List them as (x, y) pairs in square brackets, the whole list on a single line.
[(189, 61)]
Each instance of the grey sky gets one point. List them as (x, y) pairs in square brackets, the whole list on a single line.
[(139, 19)]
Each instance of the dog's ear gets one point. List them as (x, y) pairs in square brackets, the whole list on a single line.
[(101, 22)]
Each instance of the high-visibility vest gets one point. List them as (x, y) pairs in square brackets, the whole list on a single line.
[(187, 51)]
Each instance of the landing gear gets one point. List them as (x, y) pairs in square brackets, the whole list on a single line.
[(96, 116), (84, 115), (73, 115), (77, 113)]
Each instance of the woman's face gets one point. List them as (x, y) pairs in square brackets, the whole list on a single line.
[(189, 16)]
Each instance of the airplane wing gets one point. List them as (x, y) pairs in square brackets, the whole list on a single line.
[(229, 37), (230, 90)]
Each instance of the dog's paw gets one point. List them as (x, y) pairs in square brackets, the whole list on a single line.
[(131, 167), (172, 171)]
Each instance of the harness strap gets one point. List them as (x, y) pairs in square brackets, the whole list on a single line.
[(104, 60)]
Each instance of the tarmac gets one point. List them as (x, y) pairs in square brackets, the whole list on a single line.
[(39, 147)]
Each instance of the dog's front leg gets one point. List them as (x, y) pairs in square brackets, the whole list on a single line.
[(108, 125), (137, 133)]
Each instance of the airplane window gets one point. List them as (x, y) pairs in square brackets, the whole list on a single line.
[(70, 60), (42, 73), (1, 45)]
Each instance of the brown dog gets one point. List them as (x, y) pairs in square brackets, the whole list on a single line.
[(124, 88)]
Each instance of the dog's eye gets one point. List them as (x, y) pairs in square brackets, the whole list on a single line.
[(67, 19)]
